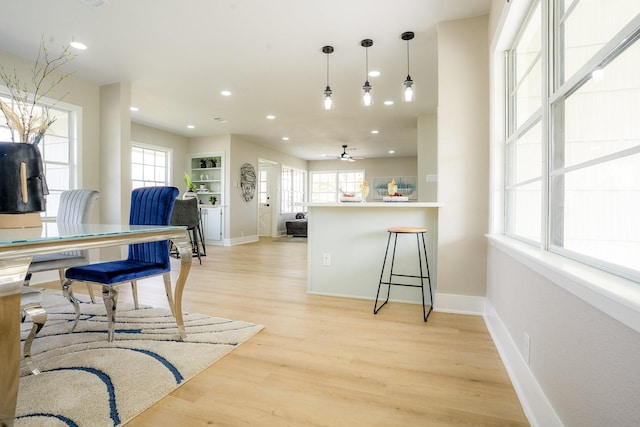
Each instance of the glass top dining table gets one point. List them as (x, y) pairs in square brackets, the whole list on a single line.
[(19, 245)]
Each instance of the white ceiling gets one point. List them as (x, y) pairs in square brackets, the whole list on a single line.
[(179, 55)]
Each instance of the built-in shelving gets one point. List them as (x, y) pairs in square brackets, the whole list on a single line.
[(207, 173)]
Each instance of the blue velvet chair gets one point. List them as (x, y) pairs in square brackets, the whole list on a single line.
[(149, 206)]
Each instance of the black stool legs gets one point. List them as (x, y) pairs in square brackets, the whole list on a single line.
[(422, 251)]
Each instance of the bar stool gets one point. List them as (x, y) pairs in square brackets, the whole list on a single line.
[(421, 252)]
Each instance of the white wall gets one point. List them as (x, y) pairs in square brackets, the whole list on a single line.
[(585, 361), (463, 155), (427, 157)]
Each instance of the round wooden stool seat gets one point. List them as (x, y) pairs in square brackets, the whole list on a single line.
[(406, 230)]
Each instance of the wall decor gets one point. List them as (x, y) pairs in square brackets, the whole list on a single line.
[(407, 186), (248, 181)]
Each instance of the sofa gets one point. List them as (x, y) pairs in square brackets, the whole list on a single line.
[(297, 227)]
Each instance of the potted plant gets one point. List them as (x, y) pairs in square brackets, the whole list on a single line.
[(213, 200), (23, 188), (191, 188)]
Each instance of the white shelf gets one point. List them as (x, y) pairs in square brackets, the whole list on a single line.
[(213, 180)]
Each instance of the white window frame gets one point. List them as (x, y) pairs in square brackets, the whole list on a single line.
[(552, 122), (75, 150), (293, 191), (168, 162), (334, 196), (614, 295)]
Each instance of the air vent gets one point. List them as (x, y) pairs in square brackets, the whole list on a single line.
[(96, 3), (220, 120)]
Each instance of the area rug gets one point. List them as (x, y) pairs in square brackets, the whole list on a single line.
[(87, 381)]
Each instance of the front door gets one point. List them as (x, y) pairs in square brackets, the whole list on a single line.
[(265, 210)]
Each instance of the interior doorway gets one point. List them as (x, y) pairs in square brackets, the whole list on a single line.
[(266, 199)]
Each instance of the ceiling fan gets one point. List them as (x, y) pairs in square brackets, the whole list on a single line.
[(344, 156)]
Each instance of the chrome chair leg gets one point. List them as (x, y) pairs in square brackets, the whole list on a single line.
[(110, 298), (67, 291), (39, 317)]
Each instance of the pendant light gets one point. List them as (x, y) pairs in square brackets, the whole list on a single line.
[(367, 98), (408, 90), (328, 102)]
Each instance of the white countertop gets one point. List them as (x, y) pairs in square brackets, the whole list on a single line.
[(374, 205)]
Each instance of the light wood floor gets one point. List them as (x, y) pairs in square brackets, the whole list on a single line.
[(324, 361)]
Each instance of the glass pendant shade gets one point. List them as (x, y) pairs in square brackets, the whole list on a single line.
[(327, 103), (408, 90), (367, 98)]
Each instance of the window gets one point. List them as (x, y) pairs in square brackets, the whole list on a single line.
[(149, 166), (293, 185), (572, 182), (58, 148), (263, 176), (326, 186)]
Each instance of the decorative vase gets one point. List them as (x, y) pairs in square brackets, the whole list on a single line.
[(23, 186), (365, 192), (189, 195)]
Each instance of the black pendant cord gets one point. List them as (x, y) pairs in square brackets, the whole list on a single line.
[(408, 58)]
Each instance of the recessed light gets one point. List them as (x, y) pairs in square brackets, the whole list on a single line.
[(191, 126), (375, 131), (285, 138), (392, 151), (225, 93), (78, 45), (388, 102), (132, 108), (271, 117), (374, 73)]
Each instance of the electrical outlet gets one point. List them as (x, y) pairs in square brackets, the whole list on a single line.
[(526, 348), (326, 259)]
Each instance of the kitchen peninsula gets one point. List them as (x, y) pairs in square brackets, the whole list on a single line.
[(347, 241)]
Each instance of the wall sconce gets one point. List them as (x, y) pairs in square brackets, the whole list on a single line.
[(367, 98), (408, 89), (328, 102)]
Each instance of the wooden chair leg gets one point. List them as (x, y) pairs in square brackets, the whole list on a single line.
[(167, 287), (134, 290)]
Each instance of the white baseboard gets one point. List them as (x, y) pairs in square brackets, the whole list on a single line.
[(242, 240), (459, 304), (536, 406)]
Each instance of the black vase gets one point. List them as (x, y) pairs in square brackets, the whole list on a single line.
[(18, 180)]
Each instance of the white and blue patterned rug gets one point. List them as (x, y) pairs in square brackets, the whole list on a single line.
[(87, 381)]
